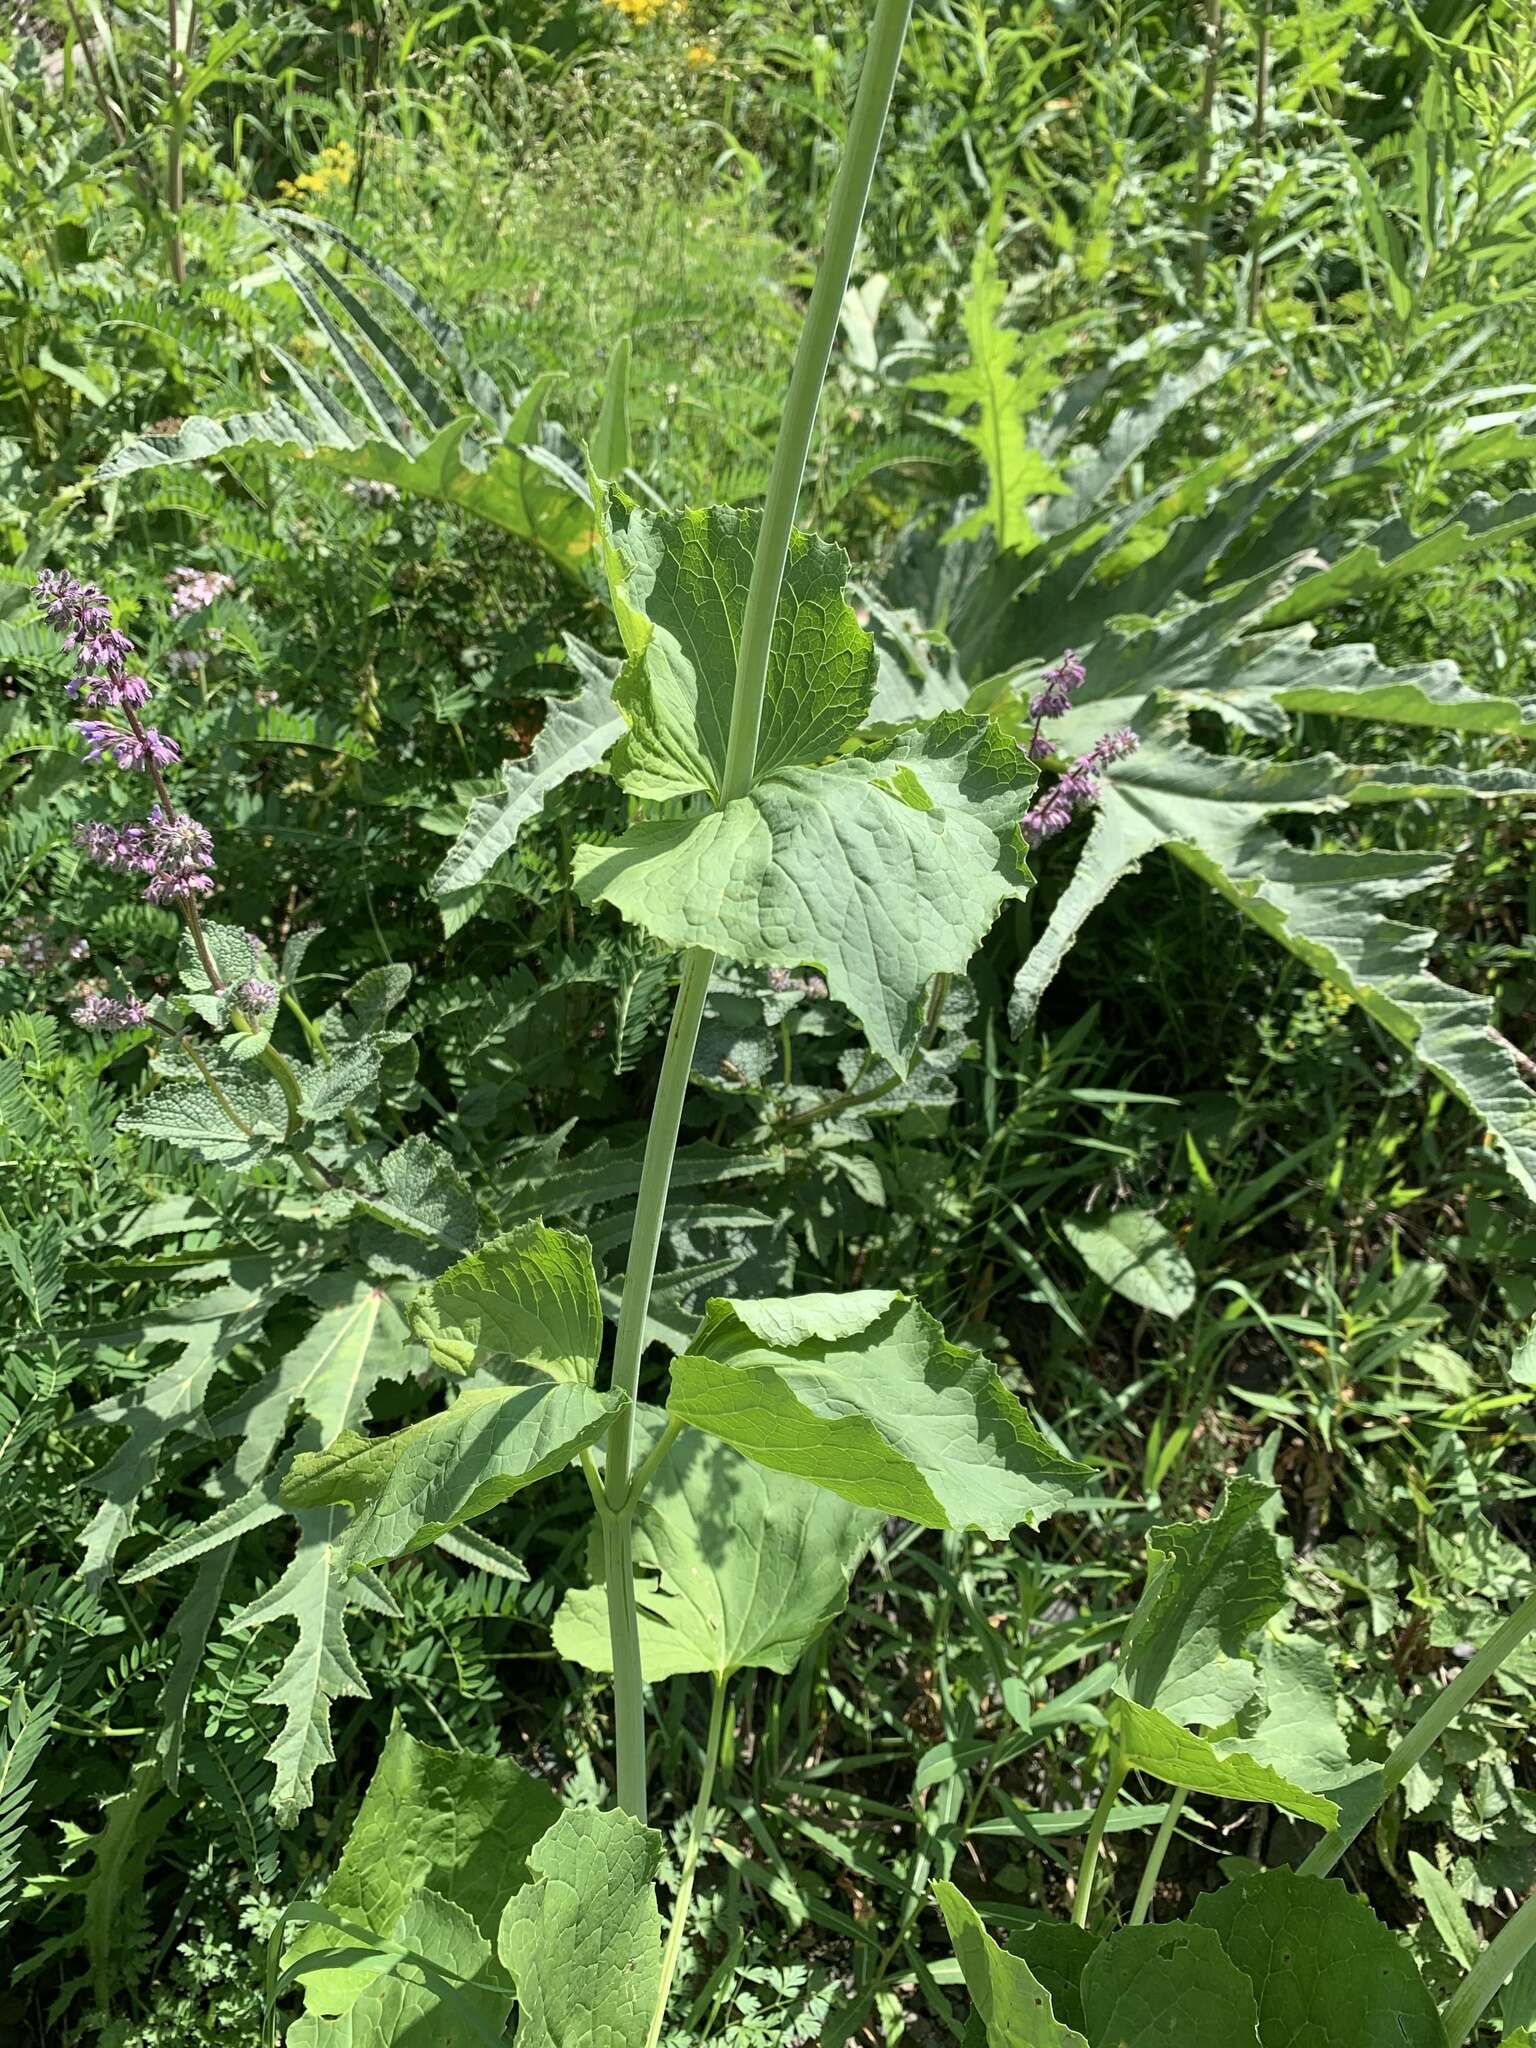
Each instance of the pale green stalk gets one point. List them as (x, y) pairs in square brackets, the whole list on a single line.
[(1492, 1970), (1087, 1870), (1429, 1728), (691, 1855), (1154, 1864), (812, 355)]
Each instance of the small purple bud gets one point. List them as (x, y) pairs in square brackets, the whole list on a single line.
[(255, 994)]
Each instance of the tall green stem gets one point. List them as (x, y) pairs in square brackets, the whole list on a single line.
[(1146, 1891), (1493, 1968), (1088, 1869), (812, 355), (1428, 1729), (691, 1855)]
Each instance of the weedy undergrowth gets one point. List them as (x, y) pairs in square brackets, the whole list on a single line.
[(792, 832)]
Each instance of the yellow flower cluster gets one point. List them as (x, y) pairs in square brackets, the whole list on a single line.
[(643, 11), (332, 172)]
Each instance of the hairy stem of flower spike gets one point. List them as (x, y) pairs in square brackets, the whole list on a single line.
[(813, 353), (1428, 1729), (1492, 1970)]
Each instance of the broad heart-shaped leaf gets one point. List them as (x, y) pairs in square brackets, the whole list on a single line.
[(1293, 1727), (737, 1565), (1015, 2008), (448, 1822), (529, 1295), (427, 1986), (582, 1938), (1130, 1251), (576, 734), (862, 1394), (1210, 1586), (1324, 1970), (1150, 1742), (678, 582), (406, 1490), (1167, 1987), (314, 1592), (881, 869)]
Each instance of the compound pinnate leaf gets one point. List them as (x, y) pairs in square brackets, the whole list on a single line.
[(1150, 1742), (737, 1565), (862, 1394), (576, 734), (426, 1986), (1015, 2008), (582, 1938), (679, 587), (529, 1295), (437, 1820), (1210, 1586), (1167, 1987), (881, 869), (1130, 1251), (408, 1489), (1324, 1969)]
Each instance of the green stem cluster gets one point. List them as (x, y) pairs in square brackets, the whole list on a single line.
[(812, 355)]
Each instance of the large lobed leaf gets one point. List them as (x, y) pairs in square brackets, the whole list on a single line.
[(737, 1565), (881, 869), (863, 1395)]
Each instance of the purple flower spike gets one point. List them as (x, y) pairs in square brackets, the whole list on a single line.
[(127, 749), (82, 614), (193, 590), (1114, 746), (255, 994), (1041, 747), (108, 1013), (1055, 700)]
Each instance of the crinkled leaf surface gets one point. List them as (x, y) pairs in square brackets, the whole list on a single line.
[(582, 1938), (420, 1190), (862, 1394), (880, 869), (1324, 1969), (529, 1295), (1015, 2007), (426, 1987), (1150, 1742), (1167, 1987), (737, 1565), (576, 734), (445, 1821), (186, 1115), (1130, 1251), (678, 583), (407, 1489), (1210, 1586)]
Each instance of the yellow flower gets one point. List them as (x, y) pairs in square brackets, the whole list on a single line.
[(332, 172), (700, 54), (643, 11)]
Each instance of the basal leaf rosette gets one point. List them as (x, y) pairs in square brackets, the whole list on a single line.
[(880, 870), (862, 1394)]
